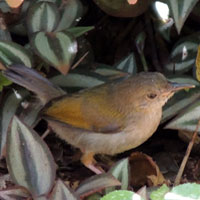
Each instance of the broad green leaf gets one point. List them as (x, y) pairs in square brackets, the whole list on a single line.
[(42, 16), (71, 13), (182, 57), (57, 49), (180, 9), (29, 160), (79, 30), (128, 64), (3, 81), (62, 191), (8, 107), (121, 195), (121, 172), (11, 52), (76, 80), (188, 119), (188, 191), (181, 99), (159, 193), (95, 183)]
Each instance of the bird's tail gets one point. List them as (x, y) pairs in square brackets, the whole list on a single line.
[(33, 81)]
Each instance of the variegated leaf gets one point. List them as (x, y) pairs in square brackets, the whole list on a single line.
[(128, 64), (71, 13), (11, 52), (29, 160), (58, 49), (62, 191), (42, 16), (187, 120), (182, 57), (8, 107), (181, 99), (180, 9)]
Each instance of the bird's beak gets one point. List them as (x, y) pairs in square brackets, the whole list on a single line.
[(179, 86)]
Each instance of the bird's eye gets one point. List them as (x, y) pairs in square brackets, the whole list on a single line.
[(151, 95)]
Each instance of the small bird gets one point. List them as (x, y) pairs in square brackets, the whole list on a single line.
[(107, 119)]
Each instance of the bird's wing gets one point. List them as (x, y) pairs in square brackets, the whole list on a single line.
[(92, 110)]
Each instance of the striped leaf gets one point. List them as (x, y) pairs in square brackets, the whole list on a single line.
[(71, 13), (29, 160), (180, 9), (75, 80), (11, 52), (183, 57), (128, 64), (8, 107), (121, 172), (62, 191), (42, 16), (95, 183), (177, 103), (187, 120), (57, 49)]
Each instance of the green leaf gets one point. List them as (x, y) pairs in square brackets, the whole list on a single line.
[(190, 191), (121, 172), (29, 160), (42, 16), (80, 30), (180, 9), (183, 57), (159, 193), (95, 183), (128, 64), (4, 81), (57, 49), (71, 13), (11, 52), (76, 80), (62, 191), (8, 107), (121, 195), (188, 119)]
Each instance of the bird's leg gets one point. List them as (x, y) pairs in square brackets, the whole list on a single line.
[(88, 160)]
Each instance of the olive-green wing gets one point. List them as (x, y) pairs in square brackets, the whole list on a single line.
[(92, 110)]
